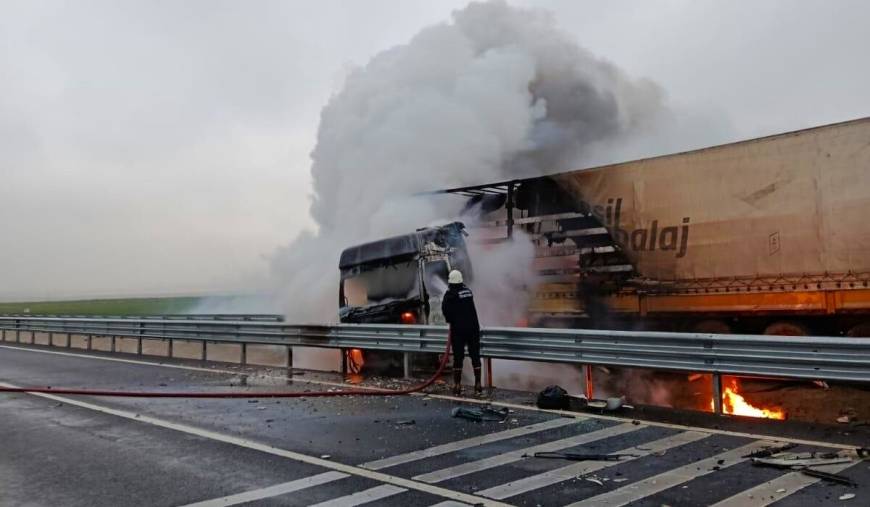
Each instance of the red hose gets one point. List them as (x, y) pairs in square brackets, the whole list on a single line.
[(227, 394)]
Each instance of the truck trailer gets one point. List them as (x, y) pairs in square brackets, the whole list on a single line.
[(765, 236), (769, 235)]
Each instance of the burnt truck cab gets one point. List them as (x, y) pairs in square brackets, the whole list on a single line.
[(399, 280)]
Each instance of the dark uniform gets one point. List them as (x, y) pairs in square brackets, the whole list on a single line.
[(458, 309)]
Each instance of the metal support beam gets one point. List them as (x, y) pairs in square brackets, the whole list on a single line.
[(487, 372), (509, 206), (114, 344), (243, 354), (587, 375), (203, 354), (169, 350), (139, 346), (289, 362), (717, 394), (406, 364)]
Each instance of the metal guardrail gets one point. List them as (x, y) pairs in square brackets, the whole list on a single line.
[(789, 357)]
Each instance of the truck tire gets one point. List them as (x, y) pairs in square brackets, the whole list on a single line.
[(712, 326), (787, 328)]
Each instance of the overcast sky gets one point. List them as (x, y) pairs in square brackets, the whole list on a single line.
[(162, 147)]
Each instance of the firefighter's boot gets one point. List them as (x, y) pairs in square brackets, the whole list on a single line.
[(478, 389), (457, 382)]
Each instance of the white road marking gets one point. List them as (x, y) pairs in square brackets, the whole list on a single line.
[(278, 489), (468, 442), (652, 485), (516, 406), (565, 473), (361, 497), (257, 446), (779, 488), (516, 455), (450, 503)]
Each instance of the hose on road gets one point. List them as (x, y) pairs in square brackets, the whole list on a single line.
[(236, 394)]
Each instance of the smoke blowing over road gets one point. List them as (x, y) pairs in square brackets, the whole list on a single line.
[(496, 92)]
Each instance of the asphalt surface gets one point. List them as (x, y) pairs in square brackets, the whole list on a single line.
[(403, 451)]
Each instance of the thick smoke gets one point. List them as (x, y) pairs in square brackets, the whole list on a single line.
[(497, 92)]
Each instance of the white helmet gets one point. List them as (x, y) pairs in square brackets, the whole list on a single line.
[(454, 277)]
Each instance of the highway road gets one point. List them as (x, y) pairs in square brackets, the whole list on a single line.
[(402, 451)]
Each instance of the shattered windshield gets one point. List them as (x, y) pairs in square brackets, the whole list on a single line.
[(381, 284)]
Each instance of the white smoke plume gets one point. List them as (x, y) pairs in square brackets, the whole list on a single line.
[(494, 93)]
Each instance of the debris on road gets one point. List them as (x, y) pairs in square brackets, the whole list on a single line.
[(847, 496), (480, 414), (574, 456), (840, 479), (406, 422), (770, 451), (325, 456)]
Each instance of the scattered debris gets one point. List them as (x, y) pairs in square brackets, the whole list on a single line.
[(792, 461), (839, 479), (480, 414), (822, 384), (574, 456), (843, 419), (781, 490), (406, 422), (621, 479), (325, 456), (847, 496), (770, 451), (594, 480), (695, 376)]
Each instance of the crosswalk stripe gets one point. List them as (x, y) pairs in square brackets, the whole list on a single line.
[(361, 497), (468, 442), (450, 503), (512, 456), (671, 478), (565, 473), (278, 489), (779, 488)]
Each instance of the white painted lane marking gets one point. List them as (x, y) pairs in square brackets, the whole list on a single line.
[(565, 473), (468, 442), (516, 406), (257, 446), (652, 485), (361, 497), (779, 488), (450, 503), (516, 455), (278, 489)]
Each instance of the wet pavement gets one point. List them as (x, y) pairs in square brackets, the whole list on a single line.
[(392, 450)]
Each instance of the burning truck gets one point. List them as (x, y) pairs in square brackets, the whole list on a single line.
[(399, 280), (765, 236)]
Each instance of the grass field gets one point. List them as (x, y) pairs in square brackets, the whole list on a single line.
[(130, 306)]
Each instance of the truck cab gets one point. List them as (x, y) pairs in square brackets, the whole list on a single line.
[(399, 280)]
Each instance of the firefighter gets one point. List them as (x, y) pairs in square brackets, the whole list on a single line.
[(458, 309)]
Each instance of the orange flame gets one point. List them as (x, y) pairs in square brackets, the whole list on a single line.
[(734, 403)]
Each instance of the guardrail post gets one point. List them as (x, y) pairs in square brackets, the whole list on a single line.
[(88, 340), (69, 341), (113, 344), (289, 363), (169, 351), (717, 394), (243, 359), (406, 364), (487, 371), (587, 375), (343, 354), (203, 355), (50, 338)]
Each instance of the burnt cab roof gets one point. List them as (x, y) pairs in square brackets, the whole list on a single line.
[(406, 245)]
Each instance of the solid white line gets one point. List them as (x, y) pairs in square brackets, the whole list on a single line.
[(565, 473), (278, 489), (652, 485), (779, 488), (468, 442), (361, 497), (251, 444), (512, 456), (515, 406)]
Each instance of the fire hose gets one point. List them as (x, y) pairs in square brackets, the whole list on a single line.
[(234, 394)]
